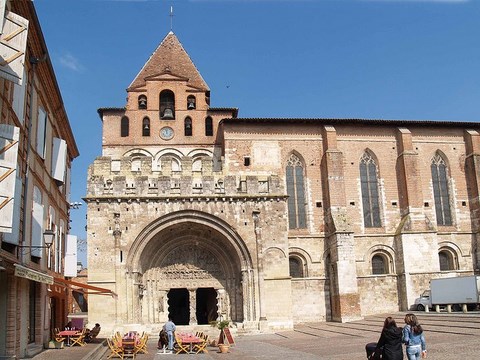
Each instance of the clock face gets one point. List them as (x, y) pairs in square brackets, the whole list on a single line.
[(166, 133)]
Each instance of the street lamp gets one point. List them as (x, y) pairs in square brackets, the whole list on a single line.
[(48, 237)]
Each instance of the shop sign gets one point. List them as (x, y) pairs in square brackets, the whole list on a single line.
[(24, 272)]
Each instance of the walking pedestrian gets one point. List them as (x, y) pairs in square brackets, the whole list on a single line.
[(413, 338)]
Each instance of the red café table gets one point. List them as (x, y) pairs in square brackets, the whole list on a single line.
[(191, 340), (68, 333)]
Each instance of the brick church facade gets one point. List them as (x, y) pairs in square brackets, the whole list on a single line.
[(196, 213)]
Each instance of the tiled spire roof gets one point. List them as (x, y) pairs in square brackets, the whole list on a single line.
[(170, 57)]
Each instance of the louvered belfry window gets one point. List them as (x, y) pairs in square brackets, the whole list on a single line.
[(369, 186), (440, 191), (296, 193)]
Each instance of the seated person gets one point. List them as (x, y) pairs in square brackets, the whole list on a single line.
[(92, 334), (163, 340)]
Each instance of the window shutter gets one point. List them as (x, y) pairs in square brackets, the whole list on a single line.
[(59, 159), (41, 125), (67, 184), (18, 104), (2, 13), (71, 256), (14, 236), (8, 164), (37, 222), (13, 42)]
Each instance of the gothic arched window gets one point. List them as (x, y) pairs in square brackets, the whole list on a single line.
[(124, 126), (188, 126), (146, 126), (369, 186), (440, 190), (296, 193), (208, 126), (167, 105)]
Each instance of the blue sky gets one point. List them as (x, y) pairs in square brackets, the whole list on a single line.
[(375, 59)]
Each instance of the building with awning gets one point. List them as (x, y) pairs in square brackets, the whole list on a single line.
[(37, 148)]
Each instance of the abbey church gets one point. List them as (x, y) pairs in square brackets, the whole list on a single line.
[(199, 214)]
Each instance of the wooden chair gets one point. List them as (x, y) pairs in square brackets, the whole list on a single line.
[(141, 345), (115, 350), (128, 346), (201, 347), (56, 336), (78, 339), (179, 347)]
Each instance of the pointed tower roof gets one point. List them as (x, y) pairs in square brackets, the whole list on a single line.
[(170, 58)]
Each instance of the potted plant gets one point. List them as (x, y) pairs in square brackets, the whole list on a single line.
[(223, 345)]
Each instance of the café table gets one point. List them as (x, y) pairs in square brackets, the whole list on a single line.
[(68, 333), (191, 340)]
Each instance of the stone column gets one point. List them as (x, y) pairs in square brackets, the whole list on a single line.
[(117, 234), (193, 306), (339, 239), (258, 240), (249, 297), (472, 173)]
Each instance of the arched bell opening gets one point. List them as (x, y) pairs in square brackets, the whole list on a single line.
[(195, 269)]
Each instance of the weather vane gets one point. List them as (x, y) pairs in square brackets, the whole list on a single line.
[(171, 17)]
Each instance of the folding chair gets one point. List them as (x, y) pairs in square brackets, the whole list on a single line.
[(115, 350), (201, 347), (128, 346), (141, 346), (179, 347), (78, 339), (56, 336)]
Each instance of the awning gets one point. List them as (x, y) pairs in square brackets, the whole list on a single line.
[(93, 289), (30, 274)]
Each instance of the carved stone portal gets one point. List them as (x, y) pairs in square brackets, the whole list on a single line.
[(187, 266)]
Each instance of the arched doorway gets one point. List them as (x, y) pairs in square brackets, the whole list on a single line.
[(194, 267), (179, 306), (206, 306)]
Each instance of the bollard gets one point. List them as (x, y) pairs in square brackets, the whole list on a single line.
[(464, 308), (437, 308), (427, 309), (449, 308)]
